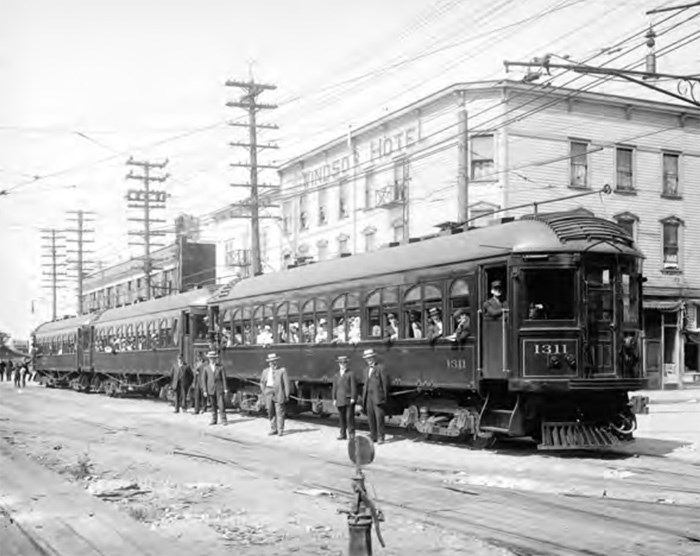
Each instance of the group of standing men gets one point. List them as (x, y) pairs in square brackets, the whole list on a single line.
[(18, 372), (207, 385)]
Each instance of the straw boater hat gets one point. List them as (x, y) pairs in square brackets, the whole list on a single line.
[(434, 311), (212, 354), (272, 357), (342, 359), (368, 353)]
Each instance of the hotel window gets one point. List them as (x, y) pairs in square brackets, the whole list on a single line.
[(322, 207), (671, 165), (579, 164), (400, 178), (303, 212), (343, 244), (624, 160), (671, 242), (370, 236), (322, 249), (370, 188), (343, 196), (287, 216), (628, 222), (482, 150)]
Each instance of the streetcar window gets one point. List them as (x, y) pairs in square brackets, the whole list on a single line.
[(548, 294), (413, 311), (353, 318), (432, 296), (339, 326), (390, 308), (236, 328), (262, 320), (294, 330), (373, 312), (322, 327), (281, 332), (199, 327), (459, 301), (630, 298)]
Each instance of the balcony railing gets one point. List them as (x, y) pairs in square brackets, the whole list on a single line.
[(390, 195), (238, 257)]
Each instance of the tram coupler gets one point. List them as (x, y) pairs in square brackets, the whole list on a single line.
[(362, 514)]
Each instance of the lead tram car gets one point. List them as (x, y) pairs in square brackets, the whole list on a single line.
[(556, 366)]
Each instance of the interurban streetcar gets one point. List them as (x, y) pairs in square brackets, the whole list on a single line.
[(555, 362)]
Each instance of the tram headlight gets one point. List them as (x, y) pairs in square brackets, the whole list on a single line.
[(570, 360), (554, 362)]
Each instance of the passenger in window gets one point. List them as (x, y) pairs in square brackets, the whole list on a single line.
[(265, 336), (354, 334), (282, 333), (339, 336), (462, 329), (415, 328), (536, 312), (391, 332), (493, 307), (322, 332), (434, 326), (294, 333)]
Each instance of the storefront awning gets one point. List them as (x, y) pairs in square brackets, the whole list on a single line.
[(663, 305)]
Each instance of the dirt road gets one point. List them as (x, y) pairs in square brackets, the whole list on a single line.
[(225, 487)]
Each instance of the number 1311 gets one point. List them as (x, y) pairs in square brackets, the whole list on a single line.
[(550, 349)]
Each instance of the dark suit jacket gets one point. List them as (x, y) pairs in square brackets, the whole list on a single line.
[(181, 375), (214, 379), (280, 390), (493, 307), (344, 388), (462, 332), (200, 375), (374, 389)]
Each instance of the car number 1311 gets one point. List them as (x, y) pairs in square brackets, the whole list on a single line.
[(550, 349)]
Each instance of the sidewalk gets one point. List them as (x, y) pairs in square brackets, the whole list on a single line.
[(689, 394)]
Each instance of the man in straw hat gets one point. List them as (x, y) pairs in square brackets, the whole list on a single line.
[(344, 394), (215, 387), (374, 394), (274, 385)]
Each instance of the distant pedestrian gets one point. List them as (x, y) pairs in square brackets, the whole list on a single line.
[(24, 370), (344, 394), (374, 395), (9, 372), (274, 385), (180, 380), (198, 386), (215, 386), (3, 366), (17, 375)]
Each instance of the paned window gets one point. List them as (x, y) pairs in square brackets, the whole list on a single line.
[(579, 164), (343, 200), (482, 159), (671, 175), (370, 188), (322, 207), (303, 212), (671, 243), (624, 167)]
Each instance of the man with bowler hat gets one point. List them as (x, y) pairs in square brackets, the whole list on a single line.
[(274, 385), (344, 394), (374, 394), (215, 387), (180, 380)]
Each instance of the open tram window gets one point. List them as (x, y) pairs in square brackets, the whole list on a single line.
[(308, 323), (460, 321), (236, 326), (390, 309), (225, 328), (373, 305), (281, 327), (548, 294), (262, 322), (413, 314), (199, 327), (244, 316), (432, 297), (322, 328), (600, 293), (353, 319), (339, 325), (630, 288)]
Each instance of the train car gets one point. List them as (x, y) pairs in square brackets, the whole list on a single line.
[(555, 363), (62, 351), (126, 350)]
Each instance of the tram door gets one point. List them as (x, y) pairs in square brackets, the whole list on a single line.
[(494, 322), (600, 320)]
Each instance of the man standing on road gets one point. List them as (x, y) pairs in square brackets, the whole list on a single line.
[(274, 385), (344, 395), (198, 387), (215, 387), (2, 370), (374, 394), (180, 380)]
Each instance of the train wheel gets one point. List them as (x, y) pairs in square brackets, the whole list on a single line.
[(480, 442)]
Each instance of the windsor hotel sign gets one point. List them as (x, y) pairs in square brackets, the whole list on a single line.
[(387, 145)]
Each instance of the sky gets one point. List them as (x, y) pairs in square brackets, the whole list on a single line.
[(85, 84)]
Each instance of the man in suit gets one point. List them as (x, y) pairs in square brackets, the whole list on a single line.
[(374, 394), (180, 380), (344, 394), (493, 306), (214, 382), (462, 330), (274, 385), (434, 325), (198, 387)]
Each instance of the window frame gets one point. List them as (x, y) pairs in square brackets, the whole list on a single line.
[(677, 224), (587, 164), (474, 159), (632, 189), (677, 194)]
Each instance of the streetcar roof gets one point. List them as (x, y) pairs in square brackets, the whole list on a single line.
[(161, 308), (568, 232), (64, 326)]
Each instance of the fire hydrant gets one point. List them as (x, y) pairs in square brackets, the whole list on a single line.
[(363, 512)]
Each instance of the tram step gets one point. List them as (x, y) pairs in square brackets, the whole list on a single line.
[(489, 428), (576, 436)]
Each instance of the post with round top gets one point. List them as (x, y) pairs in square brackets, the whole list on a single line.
[(363, 512)]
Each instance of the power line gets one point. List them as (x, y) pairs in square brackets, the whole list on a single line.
[(55, 275), (82, 237)]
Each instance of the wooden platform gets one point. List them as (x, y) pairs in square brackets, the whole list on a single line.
[(43, 514)]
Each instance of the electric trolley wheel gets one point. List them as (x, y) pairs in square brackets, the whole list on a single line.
[(476, 442)]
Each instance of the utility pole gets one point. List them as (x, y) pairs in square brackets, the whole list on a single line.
[(54, 275), (463, 161), (249, 102), (146, 199), (82, 266)]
